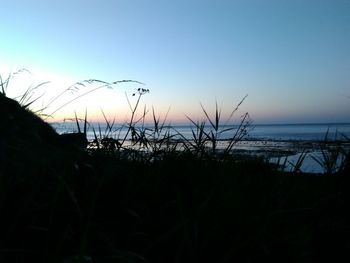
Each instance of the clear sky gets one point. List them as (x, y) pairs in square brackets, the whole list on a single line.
[(292, 58)]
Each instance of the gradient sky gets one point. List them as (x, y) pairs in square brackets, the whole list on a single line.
[(292, 58)]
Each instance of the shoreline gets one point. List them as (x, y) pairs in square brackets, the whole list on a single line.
[(287, 153), (288, 147), (307, 156)]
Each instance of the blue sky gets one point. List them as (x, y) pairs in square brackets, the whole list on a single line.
[(292, 58)]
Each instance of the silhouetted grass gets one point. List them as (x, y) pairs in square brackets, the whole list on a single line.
[(179, 209), (153, 195)]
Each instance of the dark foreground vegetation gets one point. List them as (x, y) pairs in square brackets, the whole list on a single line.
[(109, 203), (100, 208)]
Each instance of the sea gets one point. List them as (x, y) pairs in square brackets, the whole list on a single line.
[(275, 132), (280, 143)]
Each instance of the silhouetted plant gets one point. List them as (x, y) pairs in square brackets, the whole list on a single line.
[(133, 108), (199, 139), (296, 166), (332, 158), (29, 96), (211, 134), (280, 165), (116, 203)]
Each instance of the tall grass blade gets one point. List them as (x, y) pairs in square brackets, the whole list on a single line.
[(77, 122), (296, 167)]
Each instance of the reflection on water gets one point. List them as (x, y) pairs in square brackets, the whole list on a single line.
[(312, 163), (274, 142)]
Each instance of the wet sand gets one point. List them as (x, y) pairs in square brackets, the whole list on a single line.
[(291, 151), (278, 148)]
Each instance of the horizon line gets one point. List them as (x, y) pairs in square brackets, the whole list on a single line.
[(189, 123)]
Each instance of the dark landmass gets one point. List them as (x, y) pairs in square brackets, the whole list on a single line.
[(61, 202)]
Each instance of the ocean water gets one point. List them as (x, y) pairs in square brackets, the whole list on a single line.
[(275, 132), (269, 140), (301, 131)]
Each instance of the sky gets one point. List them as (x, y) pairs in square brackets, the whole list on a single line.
[(291, 58)]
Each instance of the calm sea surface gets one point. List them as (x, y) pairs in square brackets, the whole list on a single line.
[(304, 132), (301, 131), (270, 140)]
